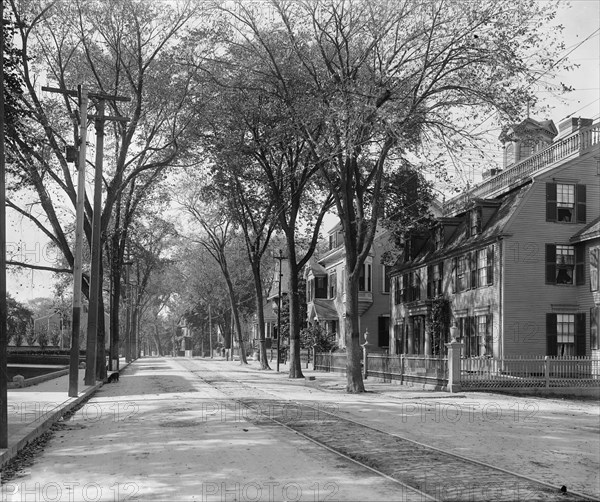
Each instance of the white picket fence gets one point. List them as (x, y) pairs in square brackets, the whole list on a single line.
[(529, 371)]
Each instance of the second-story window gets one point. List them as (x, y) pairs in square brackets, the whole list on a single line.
[(321, 287), (564, 264), (332, 284), (364, 279), (385, 279), (414, 292), (332, 241), (482, 267), (434, 280)]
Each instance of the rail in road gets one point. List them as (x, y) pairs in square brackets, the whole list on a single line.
[(434, 473)]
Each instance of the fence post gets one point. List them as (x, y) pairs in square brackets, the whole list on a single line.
[(454, 351), (547, 370), (401, 368)]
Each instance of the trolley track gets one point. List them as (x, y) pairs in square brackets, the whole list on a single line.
[(434, 473)]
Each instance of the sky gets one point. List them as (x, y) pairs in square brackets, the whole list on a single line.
[(581, 21)]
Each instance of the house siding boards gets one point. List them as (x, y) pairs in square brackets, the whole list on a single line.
[(520, 299), (527, 297)]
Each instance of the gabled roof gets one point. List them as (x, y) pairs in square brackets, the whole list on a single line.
[(589, 232), (528, 126), (315, 268), (323, 310)]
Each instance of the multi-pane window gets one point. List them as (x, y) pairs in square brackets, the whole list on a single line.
[(565, 334), (438, 235), (482, 266), (415, 287), (476, 334), (565, 202), (321, 287), (364, 279), (565, 264), (434, 280), (334, 240), (385, 279), (397, 290), (475, 221)]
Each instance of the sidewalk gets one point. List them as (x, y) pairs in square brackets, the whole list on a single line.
[(32, 410), (336, 382)]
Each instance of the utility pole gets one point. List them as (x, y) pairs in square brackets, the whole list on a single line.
[(95, 279), (77, 265), (3, 304)]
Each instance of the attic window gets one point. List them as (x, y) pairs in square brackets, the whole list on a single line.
[(475, 221), (565, 203), (438, 236)]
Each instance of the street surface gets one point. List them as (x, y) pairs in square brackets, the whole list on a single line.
[(174, 429)]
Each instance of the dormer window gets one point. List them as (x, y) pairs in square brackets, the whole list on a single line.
[(475, 221), (332, 241), (438, 237)]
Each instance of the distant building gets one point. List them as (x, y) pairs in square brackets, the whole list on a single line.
[(326, 294), (515, 257)]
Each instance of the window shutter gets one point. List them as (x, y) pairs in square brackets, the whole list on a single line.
[(490, 265), (473, 339), (594, 327), (580, 200), (430, 281), (579, 265), (473, 269), (454, 273), (580, 334), (489, 335), (441, 278), (550, 264), (551, 342), (550, 201)]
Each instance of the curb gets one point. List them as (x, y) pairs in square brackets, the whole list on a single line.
[(39, 379), (42, 424)]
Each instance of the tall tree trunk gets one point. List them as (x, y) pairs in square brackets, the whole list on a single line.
[(262, 349), (294, 300), (236, 318), (159, 347), (354, 380)]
